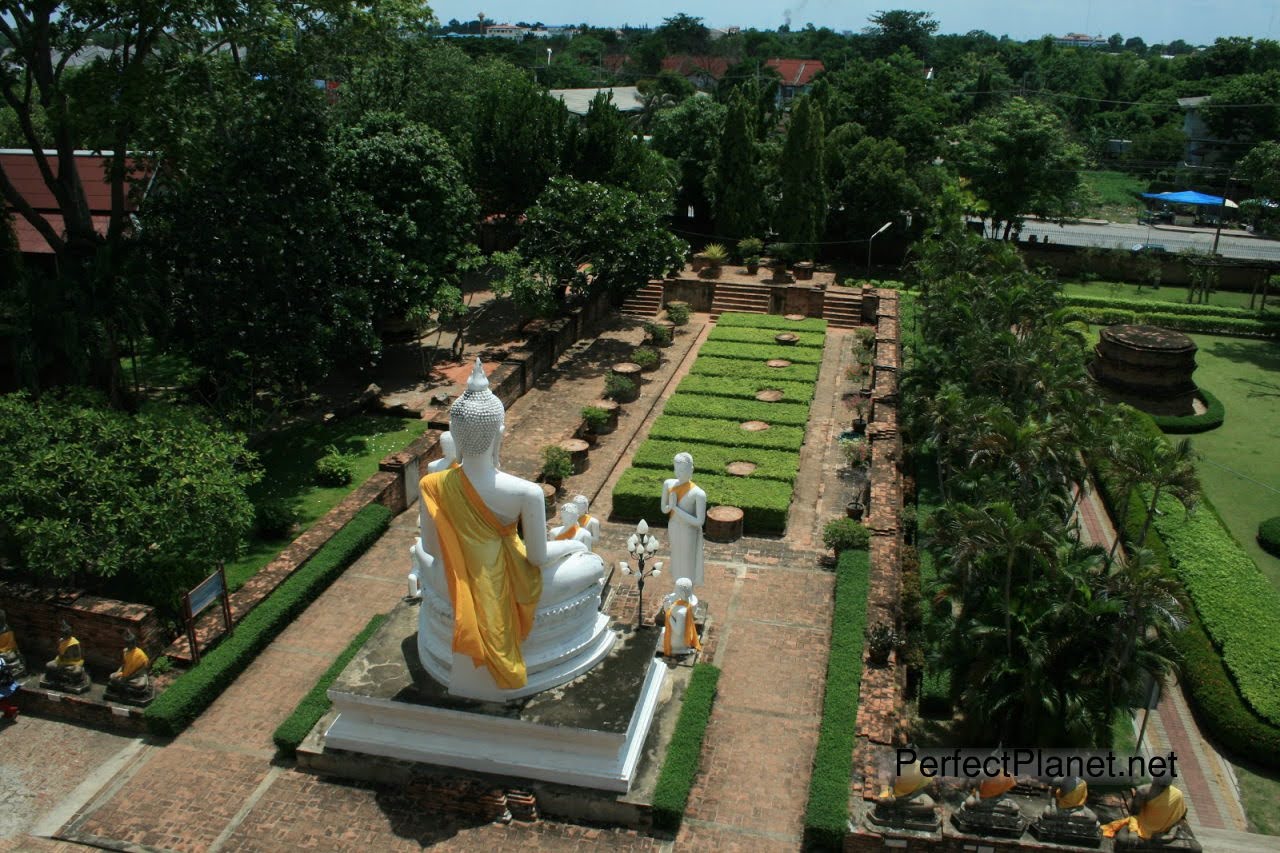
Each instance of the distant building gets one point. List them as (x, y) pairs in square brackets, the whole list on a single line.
[(1081, 40), (704, 72), (625, 98), (797, 77), (1202, 146), (507, 31)]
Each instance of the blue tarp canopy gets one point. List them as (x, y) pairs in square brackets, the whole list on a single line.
[(1189, 197)]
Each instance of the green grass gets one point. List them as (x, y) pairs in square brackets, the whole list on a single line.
[(745, 389), (1113, 195), (290, 734), (684, 752), (288, 459), (764, 503), (770, 464), (761, 352), (725, 434), (745, 335), (728, 409), (1166, 293), (772, 321), (737, 368), (1260, 792)]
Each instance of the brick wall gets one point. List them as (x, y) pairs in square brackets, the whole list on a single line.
[(863, 841)]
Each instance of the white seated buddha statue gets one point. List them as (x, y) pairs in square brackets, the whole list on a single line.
[(586, 519), (571, 528), (501, 618)]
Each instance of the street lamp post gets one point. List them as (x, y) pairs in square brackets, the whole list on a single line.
[(883, 228), (641, 546)]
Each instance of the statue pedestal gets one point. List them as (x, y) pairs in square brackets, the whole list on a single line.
[(587, 732)]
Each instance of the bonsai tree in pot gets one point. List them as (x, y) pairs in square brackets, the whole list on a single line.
[(595, 421), (716, 256), (557, 463)]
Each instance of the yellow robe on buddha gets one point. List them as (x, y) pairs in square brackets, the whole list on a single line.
[(690, 629), (69, 653), (567, 533), (7, 642), (584, 520), (1157, 815), (134, 660), (677, 495), (1073, 799), (911, 779), (493, 587)]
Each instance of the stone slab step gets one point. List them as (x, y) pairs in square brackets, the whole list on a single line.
[(1229, 841)]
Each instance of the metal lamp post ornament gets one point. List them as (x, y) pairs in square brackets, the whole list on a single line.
[(641, 546)]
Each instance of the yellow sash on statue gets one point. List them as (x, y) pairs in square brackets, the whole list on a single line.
[(7, 642), (1159, 814), (567, 533), (690, 629), (677, 495), (453, 465), (584, 520), (1074, 798), (909, 781), (69, 653), (135, 659), (492, 585), (996, 786)]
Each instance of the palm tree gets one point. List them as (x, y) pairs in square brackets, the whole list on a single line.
[(1147, 608), (1172, 470)]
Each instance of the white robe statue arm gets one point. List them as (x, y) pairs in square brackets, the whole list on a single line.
[(533, 516), (697, 517)]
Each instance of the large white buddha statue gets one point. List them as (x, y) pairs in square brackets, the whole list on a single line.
[(685, 504), (501, 617)]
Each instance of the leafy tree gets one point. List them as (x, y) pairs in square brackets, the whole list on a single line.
[(1246, 108), (899, 28), (690, 136), (802, 212), (1018, 160), (1261, 168), (682, 33), (520, 128), (738, 188), (139, 506), (603, 148), (890, 98), (870, 184)]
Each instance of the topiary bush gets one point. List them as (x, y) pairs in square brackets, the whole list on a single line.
[(333, 469), (645, 357), (659, 334), (1269, 535), (684, 751), (1215, 413), (619, 388), (678, 313), (557, 463), (596, 419), (845, 534), (750, 247)]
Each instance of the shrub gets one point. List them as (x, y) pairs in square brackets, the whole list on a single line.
[(827, 811), (618, 387), (333, 469), (745, 389), (787, 253), (764, 503), (1215, 413), (1209, 325), (748, 335), (595, 418), (188, 696), (557, 463), (737, 368), (645, 357), (771, 321), (684, 751), (1140, 307), (726, 408), (882, 641), (750, 247), (866, 339), (658, 333), (780, 465), (138, 505), (845, 534), (275, 518), (715, 254), (678, 313), (760, 352), (161, 665), (726, 433), (1269, 535), (856, 451), (290, 734)]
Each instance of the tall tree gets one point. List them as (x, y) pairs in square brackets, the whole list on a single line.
[(689, 134), (738, 188), (899, 28), (802, 213)]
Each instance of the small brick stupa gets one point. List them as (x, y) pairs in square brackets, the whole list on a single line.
[(1147, 367)]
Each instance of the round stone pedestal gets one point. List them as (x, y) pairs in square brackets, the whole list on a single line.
[(1148, 367), (724, 524)]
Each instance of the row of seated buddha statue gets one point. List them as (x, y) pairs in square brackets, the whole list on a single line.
[(1156, 820), (130, 684)]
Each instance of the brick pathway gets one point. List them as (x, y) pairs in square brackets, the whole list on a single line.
[(216, 787), (1213, 800)]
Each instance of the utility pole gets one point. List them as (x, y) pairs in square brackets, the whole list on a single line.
[(1222, 211)]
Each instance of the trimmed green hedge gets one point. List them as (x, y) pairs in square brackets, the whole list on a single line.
[(1215, 413), (827, 813), (290, 734), (738, 368), (760, 352), (746, 389), (1269, 535), (1211, 325), (729, 409), (744, 335), (764, 503), (780, 465), (726, 433), (772, 321), (188, 696), (684, 752), (1145, 307)]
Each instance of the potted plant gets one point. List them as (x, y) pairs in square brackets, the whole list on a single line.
[(557, 463), (803, 270), (619, 388), (854, 510), (855, 452), (678, 313), (882, 641), (659, 335), (780, 257), (749, 249), (860, 410), (595, 421), (845, 534), (646, 357), (715, 255)]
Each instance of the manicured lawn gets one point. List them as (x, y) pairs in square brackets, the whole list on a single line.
[(1168, 293), (288, 459), (1240, 464), (1114, 195), (1260, 792)]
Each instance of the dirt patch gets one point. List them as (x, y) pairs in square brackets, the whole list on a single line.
[(755, 426), (740, 469), (778, 362), (769, 395)]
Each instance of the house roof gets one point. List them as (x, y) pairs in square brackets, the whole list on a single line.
[(684, 65), (796, 72), (578, 101), (21, 168)]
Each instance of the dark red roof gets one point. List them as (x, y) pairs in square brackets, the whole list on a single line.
[(796, 72), (714, 66), (24, 173)]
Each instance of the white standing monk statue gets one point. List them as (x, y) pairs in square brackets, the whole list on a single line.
[(686, 507), (679, 633), (570, 527), (585, 518), (450, 457), (501, 618)]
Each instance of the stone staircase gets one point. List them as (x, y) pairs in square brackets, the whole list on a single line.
[(645, 303), (745, 298), (842, 307)]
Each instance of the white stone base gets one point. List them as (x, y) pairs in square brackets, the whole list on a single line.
[(488, 743)]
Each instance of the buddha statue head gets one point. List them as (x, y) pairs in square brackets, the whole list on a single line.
[(583, 504), (476, 419), (569, 514), (130, 639), (683, 467), (64, 628), (684, 589)]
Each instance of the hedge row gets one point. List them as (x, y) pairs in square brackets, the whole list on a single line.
[(1269, 535), (1239, 608), (772, 321), (290, 734), (780, 465), (827, 813), (1215, 413), (675, 780), (692, 405), (764, 503), (746, 389), (726, 433), (1144, 307), (760, 352), (737, 368), (745, 335), (1234, 326), (188, 696)]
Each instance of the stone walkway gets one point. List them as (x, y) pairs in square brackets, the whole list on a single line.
[(218, 786), (1213, 800)]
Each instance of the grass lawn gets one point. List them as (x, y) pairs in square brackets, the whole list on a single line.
[(288, 459), (1112, 195), (1167, 293), (1260, 792)]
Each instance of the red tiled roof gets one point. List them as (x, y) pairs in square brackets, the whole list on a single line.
[(23, 172), (714, 66), (796, 72)]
